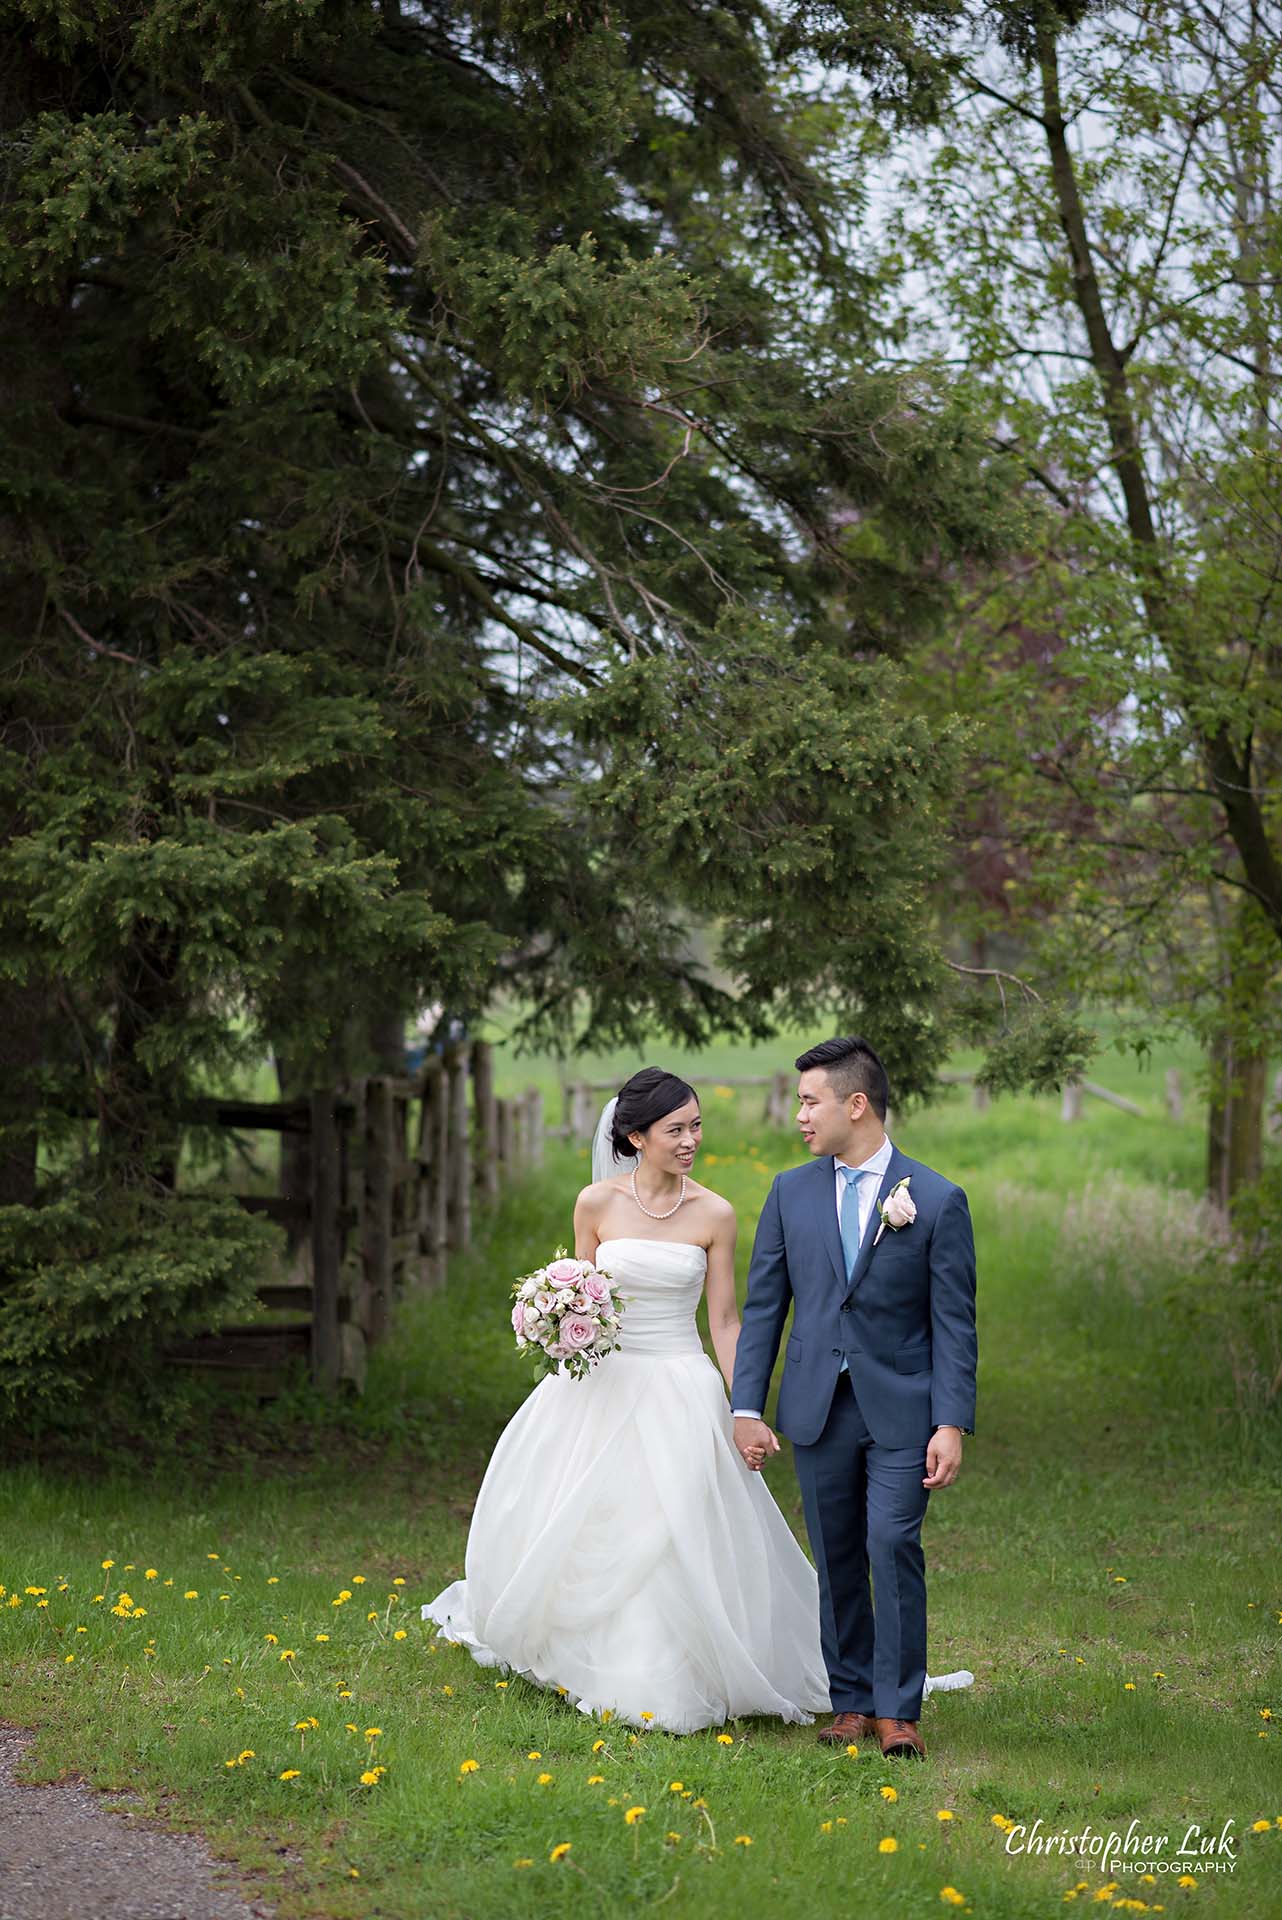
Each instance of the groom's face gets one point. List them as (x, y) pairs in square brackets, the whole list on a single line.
[(826, 1118)]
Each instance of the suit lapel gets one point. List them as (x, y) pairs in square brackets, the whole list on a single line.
[(899, 1166), (826, 1202)]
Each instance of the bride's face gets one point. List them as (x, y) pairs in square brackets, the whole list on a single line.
[(670, 1144)]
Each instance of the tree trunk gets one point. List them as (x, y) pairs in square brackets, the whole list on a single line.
[(1235, 1119), (139, 1135)]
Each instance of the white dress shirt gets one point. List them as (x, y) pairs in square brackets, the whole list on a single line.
[(867, 1191)]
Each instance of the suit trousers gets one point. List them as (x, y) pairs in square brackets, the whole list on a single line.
[(864, 1506)]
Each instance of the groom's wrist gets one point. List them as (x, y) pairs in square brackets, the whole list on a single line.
[(746, 1413)]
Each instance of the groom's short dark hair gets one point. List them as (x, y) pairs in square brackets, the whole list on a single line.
[(852, 1066)]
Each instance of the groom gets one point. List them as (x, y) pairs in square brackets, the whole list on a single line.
[(875, 1253)]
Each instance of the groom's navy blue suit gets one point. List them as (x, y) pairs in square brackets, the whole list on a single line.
[(903, 1322)]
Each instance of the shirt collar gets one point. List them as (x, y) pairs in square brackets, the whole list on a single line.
[(876, 1163)]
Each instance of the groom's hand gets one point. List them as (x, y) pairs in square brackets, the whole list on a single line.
[(754, 1441), (943, 1457)]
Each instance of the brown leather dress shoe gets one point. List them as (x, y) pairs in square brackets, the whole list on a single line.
[(900, 1740), (846, 1728)]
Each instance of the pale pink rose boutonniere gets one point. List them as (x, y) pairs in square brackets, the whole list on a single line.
[(899, 1209)]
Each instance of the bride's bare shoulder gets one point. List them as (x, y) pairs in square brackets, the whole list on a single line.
[(716, 1203), (595, 1198)]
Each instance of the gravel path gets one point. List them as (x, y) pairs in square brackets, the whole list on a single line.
[(64, 1857)]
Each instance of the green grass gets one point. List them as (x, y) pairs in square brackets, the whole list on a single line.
[(1116, 1520)]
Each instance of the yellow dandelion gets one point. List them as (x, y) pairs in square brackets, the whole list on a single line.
[(400, 1634), (358, 1579), (852, 1752), (1266, 1713), (888, 1845), (344, 1693), (1186, 1880), (271, 1639), (676, 1786), (560, 1850), (290, 1773), (469, 1766), (596, 1779), (448, 1691), (743, 1839), (369, 1778), (248, 1754), (672, 1838), (397, 1580), (647, 1717), (273, 1579), (372, 1733), (107, 1565), (607, 1713), (951, 1897), (191, 1594), (534, 1754), (68, 1660), (208, 1556), (725, 1739), (543, 1779), (342, 1599), (523, 1863), (1129, 1687), (82, 1629), (1261, 1826), (322, 1636), (889, 1794), (500, 1686), (1119, 1579), (288, 1654), (1158, 1674), (945, 1813), (825, 1826), (151, 1573), (1002, 1823), (372, 1614), (634, 1814), (352, 1726)]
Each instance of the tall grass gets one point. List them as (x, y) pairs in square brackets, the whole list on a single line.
[(1107, 1566)]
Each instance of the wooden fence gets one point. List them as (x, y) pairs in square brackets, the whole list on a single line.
[(396, 1165)]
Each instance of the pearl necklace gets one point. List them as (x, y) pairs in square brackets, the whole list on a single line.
[(646, 1210)]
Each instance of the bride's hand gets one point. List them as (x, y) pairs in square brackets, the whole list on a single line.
[(754, 1441)]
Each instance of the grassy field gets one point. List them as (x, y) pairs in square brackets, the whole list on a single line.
[(1107, 1566)]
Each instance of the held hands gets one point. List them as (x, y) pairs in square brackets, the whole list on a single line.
[(755, 1442), (943, 1457)]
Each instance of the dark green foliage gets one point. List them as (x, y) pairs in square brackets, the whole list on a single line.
[(456, 534)]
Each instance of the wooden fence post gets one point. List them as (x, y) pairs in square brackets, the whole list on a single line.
[(534, 1126), (485, 1107), (582, 1117), (981, 1099), (459, 1154), (1273, 1111), (779, 1099), (1071, 1104), (506, 1139), (1174, 1093), (379, 1173), (432, 1155), (325, 1240)]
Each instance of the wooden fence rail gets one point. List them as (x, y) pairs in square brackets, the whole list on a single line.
[(397, 1164)]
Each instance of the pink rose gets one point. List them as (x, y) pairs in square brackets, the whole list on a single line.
[(518, 1317), (533, 1323), (563, 1273), (577, 1332), (596, 1289), (900, 1209)]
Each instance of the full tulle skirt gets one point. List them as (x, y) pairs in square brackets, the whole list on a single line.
[(621, 1551)]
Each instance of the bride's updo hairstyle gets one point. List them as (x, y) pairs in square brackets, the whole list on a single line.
[(647, 1097)]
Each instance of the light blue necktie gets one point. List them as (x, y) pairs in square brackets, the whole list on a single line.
[(850, 1235)]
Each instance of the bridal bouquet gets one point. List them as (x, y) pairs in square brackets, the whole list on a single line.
[(567, 1313)]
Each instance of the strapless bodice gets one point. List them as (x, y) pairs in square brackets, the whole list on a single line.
[(661, 1281)]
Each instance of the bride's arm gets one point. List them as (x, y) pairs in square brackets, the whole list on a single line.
[(723, 1309)]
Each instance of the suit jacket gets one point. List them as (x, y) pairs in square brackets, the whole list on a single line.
[(904, 1320)]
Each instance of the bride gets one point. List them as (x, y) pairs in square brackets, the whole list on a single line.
[(620, 1547)]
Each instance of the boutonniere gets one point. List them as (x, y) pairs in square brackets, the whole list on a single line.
[(899, 1209)]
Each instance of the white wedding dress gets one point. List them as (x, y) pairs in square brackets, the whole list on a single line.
[(621, 1550)]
